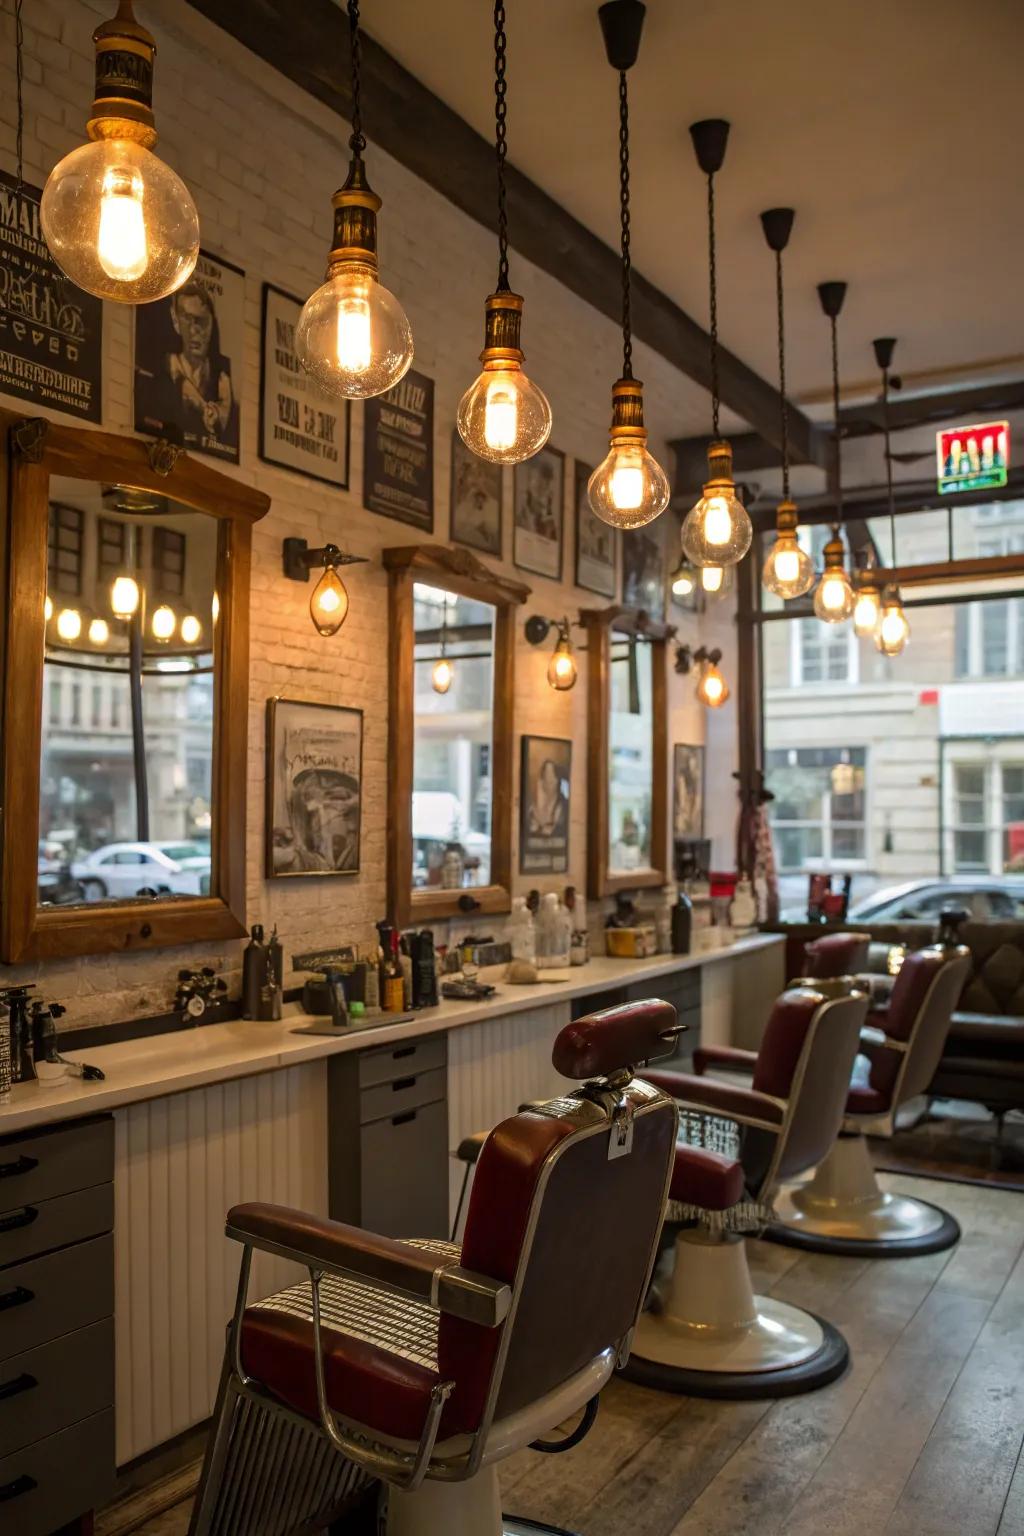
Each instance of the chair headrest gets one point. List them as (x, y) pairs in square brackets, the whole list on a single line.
[(615, 1039), (836, 954)]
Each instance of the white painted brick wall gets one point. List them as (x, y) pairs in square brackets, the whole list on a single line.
[(262, 160)]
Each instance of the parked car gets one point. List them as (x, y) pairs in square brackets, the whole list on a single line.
[(989, 899), (123, 870)]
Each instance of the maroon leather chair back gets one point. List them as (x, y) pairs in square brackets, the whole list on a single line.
[(836, 954), (920, 1011)]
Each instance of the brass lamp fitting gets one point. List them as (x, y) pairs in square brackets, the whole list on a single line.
[(123, 98), (355, 221), (720, 481), (834, 553), (628, 412), (785, 516), (503, 318)]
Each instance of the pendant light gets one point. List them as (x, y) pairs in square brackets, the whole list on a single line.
[(715, 580), (628, 488), (443, 673), (788, 571), (684, 580), (503, 416), (893, 630), (868, 607), (117, 220), (353, 335), (834, 599), (717, 529)]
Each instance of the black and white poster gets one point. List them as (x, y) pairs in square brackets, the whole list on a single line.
[(545, 781), (643, 569), (398, 452), (189, 361), (301, 427), (476, 500), (538, 501), (314, 788), (595, 542), (687, 791), (51, 333)]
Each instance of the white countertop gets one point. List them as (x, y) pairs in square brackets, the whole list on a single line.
[(171, 1063)]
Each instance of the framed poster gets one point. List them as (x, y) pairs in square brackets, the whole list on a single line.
[(475, 517), (301, 427), (643, 569), (189, 361), (51, 333), (314, 788), (687, 791), (544, 789), (595, 541), (398, 452), (539, 498)]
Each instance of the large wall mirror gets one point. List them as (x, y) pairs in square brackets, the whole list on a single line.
[(450, 755), (628, 751), (126, 695)]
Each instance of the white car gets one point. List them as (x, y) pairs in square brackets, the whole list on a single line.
[(119, 871)]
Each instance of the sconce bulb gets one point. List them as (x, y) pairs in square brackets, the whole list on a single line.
[(504, 416), (834, 599), (124, 597), (788, 570), (353, 336), (69, 624), (629, 487), (866, 612), (163, 623), (562, 669), (893, 631), (99, 632), (328, 607), (712, 689), (442, 675), (717, 529), (48, 608), (191, 629), (714, 580), (683, 581)]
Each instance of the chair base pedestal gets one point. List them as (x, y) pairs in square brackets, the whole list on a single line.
[(707, 1334), (472, 1508), (844, 1211)]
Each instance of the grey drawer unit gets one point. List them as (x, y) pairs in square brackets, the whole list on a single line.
[(388, 1138), (56, 1325)]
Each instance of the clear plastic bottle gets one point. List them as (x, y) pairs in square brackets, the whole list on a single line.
[(521, 931)]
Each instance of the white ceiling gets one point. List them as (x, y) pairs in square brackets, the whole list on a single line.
[(891, 126)]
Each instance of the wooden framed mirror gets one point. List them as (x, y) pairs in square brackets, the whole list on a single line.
[(126, 655), (450, 773), (627, 750)]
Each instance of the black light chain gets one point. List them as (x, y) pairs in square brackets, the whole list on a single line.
[(357, 142), (500, 140), (888, 460), (713, 304), (837, 430), (19, 68), (627, 316), (784, 411)]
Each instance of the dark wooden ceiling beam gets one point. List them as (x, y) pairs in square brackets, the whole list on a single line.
[(308, 44), (871, 501)]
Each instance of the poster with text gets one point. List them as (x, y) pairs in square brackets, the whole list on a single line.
[(301, 427), (398, 452), (189, 361), (51, 333), (545, 783), (538, 501)]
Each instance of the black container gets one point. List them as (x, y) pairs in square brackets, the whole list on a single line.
[(424, 969), (682, 924), (275, 959), (255, 973)]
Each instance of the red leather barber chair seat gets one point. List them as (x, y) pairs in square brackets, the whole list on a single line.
[(423, 1364)]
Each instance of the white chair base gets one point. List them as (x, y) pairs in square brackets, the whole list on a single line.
[(843, 1210), (472, 1508), (708, 1335)]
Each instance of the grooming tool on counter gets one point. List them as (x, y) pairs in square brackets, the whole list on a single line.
[(466, 989), (197, 991), (424, 968), (255, 972), (83, 1070)]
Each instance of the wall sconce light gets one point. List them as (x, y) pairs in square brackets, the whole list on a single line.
[(712, 689), (684, 580), (562, 667), (328, 606)]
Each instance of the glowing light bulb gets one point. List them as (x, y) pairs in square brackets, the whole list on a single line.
[(121, 242), (124, 597), (712, 689), (215, 608), (788, 570), (712, 579), (353, 336), (69, 624), (328, 607), (683, 581), (834, 599), (866, 611), (503, 416), (47, 608), (353, 343), (562, 670), (191, 629), (893, 631), (99, 632), (717, 529), (163, 623), (629, 487), (442, 675)]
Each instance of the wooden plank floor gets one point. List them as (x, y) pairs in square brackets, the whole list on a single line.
[(922, 1436)]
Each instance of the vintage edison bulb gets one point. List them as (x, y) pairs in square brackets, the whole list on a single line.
[(788, 570), (717, 530), (328, 607), (712, 689), (353, 335), (715, 579), (629, 487), (562, 669), (215, 608), (683, 581), (47, 608), (504, 416), (69, 624), (191, 629), (163, 622), (124, 597), (893, 628), (442, 675), (99, 632), (866, 611), (119, 222), (834, 599)]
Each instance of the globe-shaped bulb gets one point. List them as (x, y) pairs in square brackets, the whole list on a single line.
[(164, 622), (683, 581), (893, 628), (191, 629), (712, 689), (629, 487), (715, 580), (834, 598), (504, 417), (717, 529), (69, 624), (442, 676), (124, 597), (99, 632), (119, 222), (562, 670), (788, 570), (353, 335), (328, 606), (866, 612)]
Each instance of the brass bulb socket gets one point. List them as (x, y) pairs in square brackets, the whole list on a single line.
[(720, 460), (865, 582), (123, 97), (628, 410), (786, 517), (503, 318), (834, 554), (355, 206)]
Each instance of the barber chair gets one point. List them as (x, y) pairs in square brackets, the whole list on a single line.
[(842, 1209), (422, 1364), (705, 1332), (835, 955)]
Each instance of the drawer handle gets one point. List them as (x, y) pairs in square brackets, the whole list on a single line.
[(20, 1384), (401, 1083), (23, 1218), (410, 1114), (404, 1050), (23, 1484), (16, 1298), (21, 1164)]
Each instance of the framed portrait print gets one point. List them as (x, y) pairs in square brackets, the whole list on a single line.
[(314, 788), (538, 504), (544, 789), (596, 543), (475, 517), (398, 452), (643, 569), (687, 791), (301, 427)]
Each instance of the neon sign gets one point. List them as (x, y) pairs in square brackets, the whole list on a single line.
[(973, 458)]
